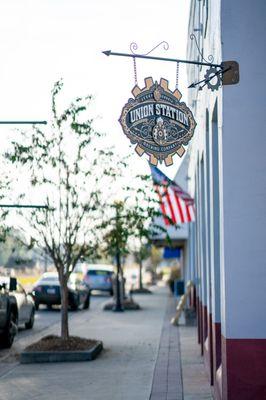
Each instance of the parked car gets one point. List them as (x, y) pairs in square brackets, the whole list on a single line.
[(47, 291), (16, 308), (8, 314), (100, 277)]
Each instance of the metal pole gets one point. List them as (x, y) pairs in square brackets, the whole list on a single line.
[(110, 53), (118, 306), (22, 206), (23, 122)]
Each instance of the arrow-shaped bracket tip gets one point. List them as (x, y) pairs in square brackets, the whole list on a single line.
[(107, 52)]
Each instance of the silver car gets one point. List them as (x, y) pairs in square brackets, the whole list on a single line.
[(24, 302), (100, 277)]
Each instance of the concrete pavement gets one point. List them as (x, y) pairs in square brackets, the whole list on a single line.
[(195, 383), (126, 370)]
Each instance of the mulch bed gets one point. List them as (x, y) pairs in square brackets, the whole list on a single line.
[(141, 291), (56, 343), (128, 304)]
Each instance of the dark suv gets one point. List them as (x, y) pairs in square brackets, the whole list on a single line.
[(8, 314)]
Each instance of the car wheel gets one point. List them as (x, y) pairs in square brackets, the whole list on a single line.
[(87, 302), (10, 331), (30, 323)]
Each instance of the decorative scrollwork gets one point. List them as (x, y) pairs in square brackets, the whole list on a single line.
[(210, 56), (134, 47)]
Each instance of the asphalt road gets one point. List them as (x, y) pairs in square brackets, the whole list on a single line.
[(44, 320)]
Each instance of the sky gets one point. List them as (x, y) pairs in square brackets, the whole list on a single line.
[(42, 41)]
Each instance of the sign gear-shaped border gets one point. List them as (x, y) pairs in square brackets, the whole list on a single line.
[(136, 91)]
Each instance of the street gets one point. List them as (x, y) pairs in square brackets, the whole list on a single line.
[(44, 320)]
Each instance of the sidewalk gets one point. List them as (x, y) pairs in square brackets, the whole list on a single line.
[(179, 372), (129, 368)]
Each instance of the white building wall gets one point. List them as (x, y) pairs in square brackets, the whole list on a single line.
[(205, 14), (240, 128), (230, 246), (244, 171)]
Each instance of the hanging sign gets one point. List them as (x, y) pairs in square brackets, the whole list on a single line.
[(157, 122)]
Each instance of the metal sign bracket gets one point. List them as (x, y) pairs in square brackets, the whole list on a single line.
[(231, 76), (226, 73)]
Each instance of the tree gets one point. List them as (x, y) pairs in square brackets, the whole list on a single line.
[(117, 230), (144, 211), (67, 167), (131, 227), (141, 254), (4, 190)]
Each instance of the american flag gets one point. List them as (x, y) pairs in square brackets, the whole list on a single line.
[(176, 205)]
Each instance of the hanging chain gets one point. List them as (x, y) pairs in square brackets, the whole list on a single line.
[(135, 71), (177, 75)]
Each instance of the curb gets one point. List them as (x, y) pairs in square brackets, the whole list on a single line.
[(30, 357)]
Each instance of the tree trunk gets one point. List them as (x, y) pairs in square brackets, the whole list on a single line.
[(140, 274), (64, 308)]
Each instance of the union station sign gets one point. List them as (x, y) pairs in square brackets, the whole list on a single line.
[(157, 122)]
